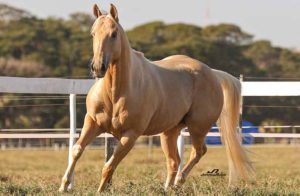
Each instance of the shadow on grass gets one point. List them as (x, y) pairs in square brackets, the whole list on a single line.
[(4, 178)]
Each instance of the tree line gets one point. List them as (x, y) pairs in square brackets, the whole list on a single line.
[(55, 47)]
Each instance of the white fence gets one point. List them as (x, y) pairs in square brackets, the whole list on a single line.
[(81, 86)]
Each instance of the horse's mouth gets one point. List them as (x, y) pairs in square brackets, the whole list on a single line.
[(99, 74)]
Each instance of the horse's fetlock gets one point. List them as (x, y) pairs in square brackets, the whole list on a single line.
[(107, 168), (179, 180), (64, 184)]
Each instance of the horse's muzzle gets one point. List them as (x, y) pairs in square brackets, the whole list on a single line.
[(104, 64)]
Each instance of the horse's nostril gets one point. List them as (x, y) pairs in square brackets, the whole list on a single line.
[(103, 67)]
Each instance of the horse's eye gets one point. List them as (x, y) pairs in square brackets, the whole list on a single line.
[(114, 35)]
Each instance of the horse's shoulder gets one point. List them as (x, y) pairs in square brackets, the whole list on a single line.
[(96, 87), (94, 98)]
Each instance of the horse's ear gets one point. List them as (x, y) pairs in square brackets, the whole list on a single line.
[(114, 12), (96, 11)]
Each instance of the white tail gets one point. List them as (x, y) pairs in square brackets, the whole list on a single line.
[(239, 163)]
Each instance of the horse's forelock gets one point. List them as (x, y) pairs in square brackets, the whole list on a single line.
[(94, 27)]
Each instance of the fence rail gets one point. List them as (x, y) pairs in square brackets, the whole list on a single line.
[(79, 129), (44, 133), (44, 85), (67, 136), (81, 86), (270, 88)]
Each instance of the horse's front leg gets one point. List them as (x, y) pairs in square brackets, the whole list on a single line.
[(125, 144), (89, 131)]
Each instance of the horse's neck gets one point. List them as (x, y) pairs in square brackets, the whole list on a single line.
[(118, 78), (126, 72)]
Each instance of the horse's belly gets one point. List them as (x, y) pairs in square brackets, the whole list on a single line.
[(152, 132), (158, 129), (164, 121)]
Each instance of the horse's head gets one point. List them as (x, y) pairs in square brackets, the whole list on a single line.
[(106, 33)]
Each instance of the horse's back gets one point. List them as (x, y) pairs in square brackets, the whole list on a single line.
[(181, 63)]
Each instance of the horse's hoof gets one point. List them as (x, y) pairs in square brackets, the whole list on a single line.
[(62, 189), (99, 191), (179, 181)]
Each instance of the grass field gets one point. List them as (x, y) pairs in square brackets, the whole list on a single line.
[(38, 172)]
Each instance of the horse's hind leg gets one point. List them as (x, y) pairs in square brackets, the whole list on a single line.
[(168, 141), (198, 150), (89, 131)]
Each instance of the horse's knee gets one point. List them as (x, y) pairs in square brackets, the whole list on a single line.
[(77, 151), (173, 164)]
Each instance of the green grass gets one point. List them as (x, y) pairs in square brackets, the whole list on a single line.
[(38, 172)]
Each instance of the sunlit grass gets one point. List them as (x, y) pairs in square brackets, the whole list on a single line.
[(38, 172)]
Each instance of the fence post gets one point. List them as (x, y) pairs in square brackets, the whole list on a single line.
[(180, 147), (109, 147), (72, 131), (150, 146), (240, 129)]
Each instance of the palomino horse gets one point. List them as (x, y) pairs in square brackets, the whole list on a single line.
[(139, 97)]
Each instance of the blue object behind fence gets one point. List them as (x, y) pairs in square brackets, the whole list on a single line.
[(215, 140)]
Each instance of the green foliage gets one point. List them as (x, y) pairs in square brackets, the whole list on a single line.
[(289, 63), (226, 33), (53, 47), (263, 55)]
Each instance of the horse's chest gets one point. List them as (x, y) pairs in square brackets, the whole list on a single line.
[(118, 121)]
